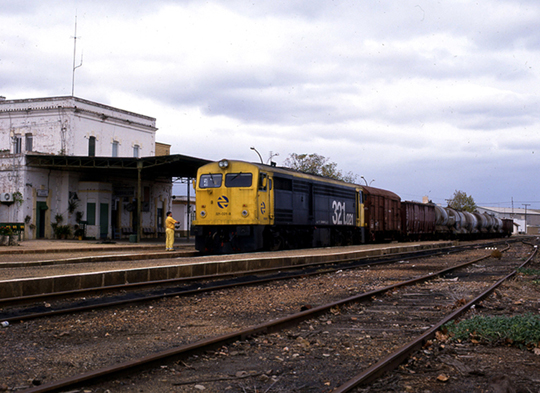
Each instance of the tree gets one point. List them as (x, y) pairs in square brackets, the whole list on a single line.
[(460, 201), (317, 165)]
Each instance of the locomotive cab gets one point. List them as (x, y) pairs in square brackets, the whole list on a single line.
[(234, 203)]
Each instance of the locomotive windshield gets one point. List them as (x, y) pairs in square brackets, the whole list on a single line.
[(238, 179), (210, 180)]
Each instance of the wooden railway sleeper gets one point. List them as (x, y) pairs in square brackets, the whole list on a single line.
[(397, 357), (265, 328)]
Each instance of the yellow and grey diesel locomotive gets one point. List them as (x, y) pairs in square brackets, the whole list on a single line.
[(245, 207)]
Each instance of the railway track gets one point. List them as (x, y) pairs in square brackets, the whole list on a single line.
[(435, 295), (24, 308)]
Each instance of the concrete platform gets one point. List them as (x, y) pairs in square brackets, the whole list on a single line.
[(46, 246), (202, 266)]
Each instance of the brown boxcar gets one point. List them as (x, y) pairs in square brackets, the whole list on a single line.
[(382, 214), (508, 226), (417, 220)]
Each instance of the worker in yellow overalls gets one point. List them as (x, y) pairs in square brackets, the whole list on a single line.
[(169, 232)]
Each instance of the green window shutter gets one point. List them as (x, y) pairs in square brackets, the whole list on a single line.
[(91, 213)]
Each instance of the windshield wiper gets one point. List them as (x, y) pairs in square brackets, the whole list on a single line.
[(238, 174)]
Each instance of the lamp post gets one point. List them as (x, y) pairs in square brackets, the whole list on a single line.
[(272, 155), (366, 181), (259, 154)]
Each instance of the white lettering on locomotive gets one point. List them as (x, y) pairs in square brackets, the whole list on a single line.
[(340, 216)]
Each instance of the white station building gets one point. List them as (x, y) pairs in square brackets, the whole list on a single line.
[(69, 165)]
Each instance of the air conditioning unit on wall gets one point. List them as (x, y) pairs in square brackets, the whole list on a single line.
[(6, 197)]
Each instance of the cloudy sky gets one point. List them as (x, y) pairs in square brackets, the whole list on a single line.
[(418, 97)]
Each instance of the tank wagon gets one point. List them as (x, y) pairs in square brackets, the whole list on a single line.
[(242, 207)]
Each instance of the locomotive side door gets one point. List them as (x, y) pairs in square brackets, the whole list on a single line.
[(360, 215), (264, 209)]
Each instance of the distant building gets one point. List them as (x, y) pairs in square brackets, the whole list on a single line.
[(70, 162), (181, 213), (162, 149), (525, 220)]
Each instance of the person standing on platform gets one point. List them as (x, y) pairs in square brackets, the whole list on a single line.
[(170, 223)]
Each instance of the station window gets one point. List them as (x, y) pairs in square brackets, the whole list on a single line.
[(28, 142), (17, 144), (115, 148), (238, 179), (136, 149), (92, 146)]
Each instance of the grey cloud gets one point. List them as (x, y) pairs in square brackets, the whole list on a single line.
[(405, 93)]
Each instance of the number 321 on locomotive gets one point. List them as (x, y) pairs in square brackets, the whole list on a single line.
[(340, 215)]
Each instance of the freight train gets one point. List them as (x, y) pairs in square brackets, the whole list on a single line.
[(242, 207)]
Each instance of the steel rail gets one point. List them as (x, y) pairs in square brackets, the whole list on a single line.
[(260, 280), (387, 258), (372, 260), (396, 358), (211, 343), (86, 291)]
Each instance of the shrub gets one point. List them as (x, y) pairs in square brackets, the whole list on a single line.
[(62, 231), (528, 272), (521, 330), (6, 230)]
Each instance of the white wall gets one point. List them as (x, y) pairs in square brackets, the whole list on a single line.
[(64, 125)]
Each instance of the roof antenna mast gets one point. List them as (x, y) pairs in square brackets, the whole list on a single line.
[(74, 53)]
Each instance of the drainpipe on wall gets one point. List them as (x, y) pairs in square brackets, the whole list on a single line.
[(139, 202)]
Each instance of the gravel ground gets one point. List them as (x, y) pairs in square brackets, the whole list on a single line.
[(447, 366), (54, 348)]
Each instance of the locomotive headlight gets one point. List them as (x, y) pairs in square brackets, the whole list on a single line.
[(223, 164), (203, 213), (245, 213)]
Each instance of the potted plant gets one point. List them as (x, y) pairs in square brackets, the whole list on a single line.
[(18, 198), (72, 205), (5, 232), (79, 232), (62, 231)]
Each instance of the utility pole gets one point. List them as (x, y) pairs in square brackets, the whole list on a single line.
[(512, 207), (526, 204), (74, 53)]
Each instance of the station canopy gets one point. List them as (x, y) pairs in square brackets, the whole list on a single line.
[(103, 168)]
